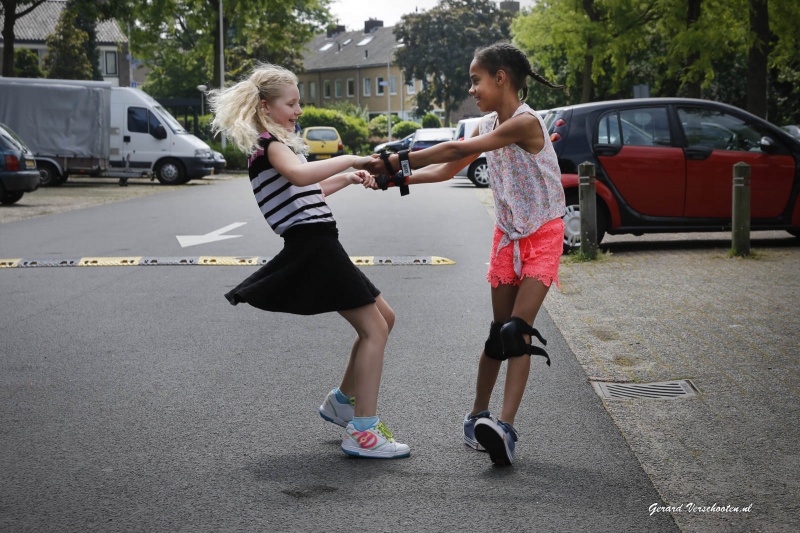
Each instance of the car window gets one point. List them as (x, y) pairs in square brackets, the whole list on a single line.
[(645, 127), (718, 130), (137, 119), (608, 129), (321, 135)]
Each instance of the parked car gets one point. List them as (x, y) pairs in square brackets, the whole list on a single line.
[(18, 172), (395, 146), (427, 137), (219, 162), (324, 142), (478, 170), (793, 130), (666, 165)]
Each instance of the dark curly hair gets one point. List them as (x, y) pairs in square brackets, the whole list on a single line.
[(507, 57)]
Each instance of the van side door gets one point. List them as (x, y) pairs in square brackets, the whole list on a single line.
[(145, 139)]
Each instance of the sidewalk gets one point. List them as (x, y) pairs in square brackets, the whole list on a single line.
[(664, 308), (671, 307)]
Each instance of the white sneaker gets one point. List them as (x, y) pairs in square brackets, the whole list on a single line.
[(334, 411), (376, 442)]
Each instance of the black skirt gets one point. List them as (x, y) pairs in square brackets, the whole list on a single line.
[(311, 275)]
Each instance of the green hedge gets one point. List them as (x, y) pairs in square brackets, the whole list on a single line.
[(431, 121), (403, 128)]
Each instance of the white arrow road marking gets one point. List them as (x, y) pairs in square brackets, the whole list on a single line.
[(216, 235)]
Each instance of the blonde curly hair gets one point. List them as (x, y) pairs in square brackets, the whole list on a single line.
[(236, 109)]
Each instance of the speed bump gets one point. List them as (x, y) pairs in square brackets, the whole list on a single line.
[(109, 261), (365, 260)]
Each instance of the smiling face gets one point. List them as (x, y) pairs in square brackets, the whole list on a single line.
[(285, 109), (485, 88)]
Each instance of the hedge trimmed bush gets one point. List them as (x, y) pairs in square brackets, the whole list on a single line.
[(431, 121), (403, 128)]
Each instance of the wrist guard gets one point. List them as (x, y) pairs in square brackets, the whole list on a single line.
[(397, 180)]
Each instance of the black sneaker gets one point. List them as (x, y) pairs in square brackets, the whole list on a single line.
[(498, 438)]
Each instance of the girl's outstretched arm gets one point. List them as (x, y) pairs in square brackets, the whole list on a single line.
[(301, 174), (523, 129), (340, 181)]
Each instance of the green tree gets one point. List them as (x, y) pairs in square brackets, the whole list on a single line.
[(66, 53), (26, 64), (12, 11), (457, 26), (254, 30)]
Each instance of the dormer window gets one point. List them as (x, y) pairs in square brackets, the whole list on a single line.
[(326, 47), (365, 40)]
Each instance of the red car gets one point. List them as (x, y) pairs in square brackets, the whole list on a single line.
[(666, 165)]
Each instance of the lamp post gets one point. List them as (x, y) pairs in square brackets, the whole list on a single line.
[(221, 60), (202, 89)]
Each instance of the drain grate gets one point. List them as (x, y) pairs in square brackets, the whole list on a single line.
[(662, 390)]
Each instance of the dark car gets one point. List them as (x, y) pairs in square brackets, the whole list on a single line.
[(395, 146), (666, 165), (18, 173), (219, 162)]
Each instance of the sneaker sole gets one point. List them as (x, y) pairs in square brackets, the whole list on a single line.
[(333, 419), (494, 444), (373, 455)]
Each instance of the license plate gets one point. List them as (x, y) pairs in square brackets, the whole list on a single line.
[(30, 164), (323, 157)]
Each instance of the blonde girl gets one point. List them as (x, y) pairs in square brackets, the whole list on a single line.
[(312, 273)]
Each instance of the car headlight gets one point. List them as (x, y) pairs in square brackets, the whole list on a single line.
[(202, 154)]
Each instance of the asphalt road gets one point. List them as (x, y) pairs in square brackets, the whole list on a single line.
[(136, 398)]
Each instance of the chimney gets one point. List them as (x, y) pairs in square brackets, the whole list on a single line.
[(512, 7), (371, 24), (335, 30)]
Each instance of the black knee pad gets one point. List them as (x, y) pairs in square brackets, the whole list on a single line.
[(512, 335), (494, 345)]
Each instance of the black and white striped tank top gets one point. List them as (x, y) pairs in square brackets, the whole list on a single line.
[(284, 205)]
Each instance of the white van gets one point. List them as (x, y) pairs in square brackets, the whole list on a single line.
[(478, 170), (142, 129), (91, 128)]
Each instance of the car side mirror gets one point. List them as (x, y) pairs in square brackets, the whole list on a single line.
[(159, 133), (767, 145)]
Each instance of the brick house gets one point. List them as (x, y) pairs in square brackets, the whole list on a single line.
[(32, 30)]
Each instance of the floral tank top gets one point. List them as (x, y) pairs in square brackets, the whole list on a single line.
[(527, 187)]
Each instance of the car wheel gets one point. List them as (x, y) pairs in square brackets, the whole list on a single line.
[(49, 175), (10, 197), (572, 223), (171, 172), (478, 173)]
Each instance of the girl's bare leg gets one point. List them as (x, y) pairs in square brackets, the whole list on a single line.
[(502, 304), (528, 301), (362, 376)]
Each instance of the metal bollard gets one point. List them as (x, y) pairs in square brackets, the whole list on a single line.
[(588, 206), (740, 223)]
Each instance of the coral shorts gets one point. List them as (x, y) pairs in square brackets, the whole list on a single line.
[(540, 254)]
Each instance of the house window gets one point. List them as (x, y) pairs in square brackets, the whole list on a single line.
[(379, 89), (301, 88), (367, 86), (110, 63), (338, 88), (411, 86), (392, 84), (326, 89), (351, 88), (312, 90)]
